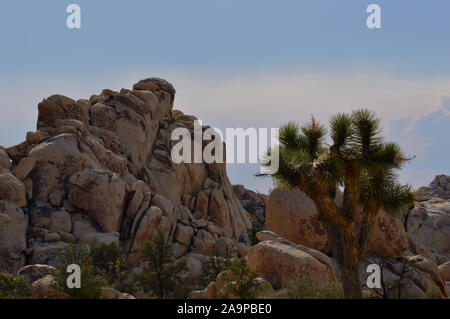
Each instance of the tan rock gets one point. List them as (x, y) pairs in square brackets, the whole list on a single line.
[(60, 221), (24, 167), (266, 235), (82, 224), (13, 243), (278, 262), (202, 203), (31, 273), (428, 222), (184, 234), (293, 215), (388, 236), (445, 270), (58, 158), (102, 194), (218, 211), (95, 240), (145, 230), (5, 162), (56, 198), (52, 237), (59, 107), (109, 293), (42, 286), (125, 295), (12, 189), (46, 253)]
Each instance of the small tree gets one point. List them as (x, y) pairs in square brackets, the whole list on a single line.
[(357, 160), (91, 282), (162, 275), (211, 267), (243, 284), (109, 262)]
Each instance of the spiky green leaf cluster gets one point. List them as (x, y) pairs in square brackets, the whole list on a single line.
[(307, 162)]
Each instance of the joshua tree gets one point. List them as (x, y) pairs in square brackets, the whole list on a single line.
[(357, 162)]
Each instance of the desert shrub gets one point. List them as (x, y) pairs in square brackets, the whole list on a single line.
[(163, 276), (109, 262), (304, 288), (91, 281), (12, 287), (242, 281), (212, 266)]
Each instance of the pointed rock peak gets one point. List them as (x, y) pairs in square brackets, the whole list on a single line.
[(155, 84)]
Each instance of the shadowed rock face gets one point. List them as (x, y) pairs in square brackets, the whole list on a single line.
[(100, 170)]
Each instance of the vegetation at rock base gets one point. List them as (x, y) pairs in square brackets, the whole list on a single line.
[(12, 287), (357, 160), (304, 288), (163, 276), (109, 262), (241, 281), (78, 254)]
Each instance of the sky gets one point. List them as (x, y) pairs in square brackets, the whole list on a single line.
[(253, 63)]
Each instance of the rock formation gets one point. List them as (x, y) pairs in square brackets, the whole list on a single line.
[(254, 203), (100, 170)]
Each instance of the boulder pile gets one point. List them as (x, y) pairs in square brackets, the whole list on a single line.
[(100, 170)]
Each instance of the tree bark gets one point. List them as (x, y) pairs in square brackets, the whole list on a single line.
[(350, 264)]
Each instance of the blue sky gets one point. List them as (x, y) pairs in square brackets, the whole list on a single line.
[(253, 63)]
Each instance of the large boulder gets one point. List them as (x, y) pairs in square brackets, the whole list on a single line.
[(5, 162), (293, 215), (147, 224), (58, 158), (388, 237), (60, 107), (12, 189), (100, 170), (31, 273), (279, 261), (102, 195), (428, 227), (411, 276), (13, 226), (445, 271)]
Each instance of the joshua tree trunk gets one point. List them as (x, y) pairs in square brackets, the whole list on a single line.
[(350, 265)]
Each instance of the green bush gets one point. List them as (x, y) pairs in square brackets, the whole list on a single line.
[(242, 283), (163, 276), (12, 287), (91, 281), (109, 261), (212, 266), (304, 288)]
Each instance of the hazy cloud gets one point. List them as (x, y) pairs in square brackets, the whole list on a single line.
[(406, 105)]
